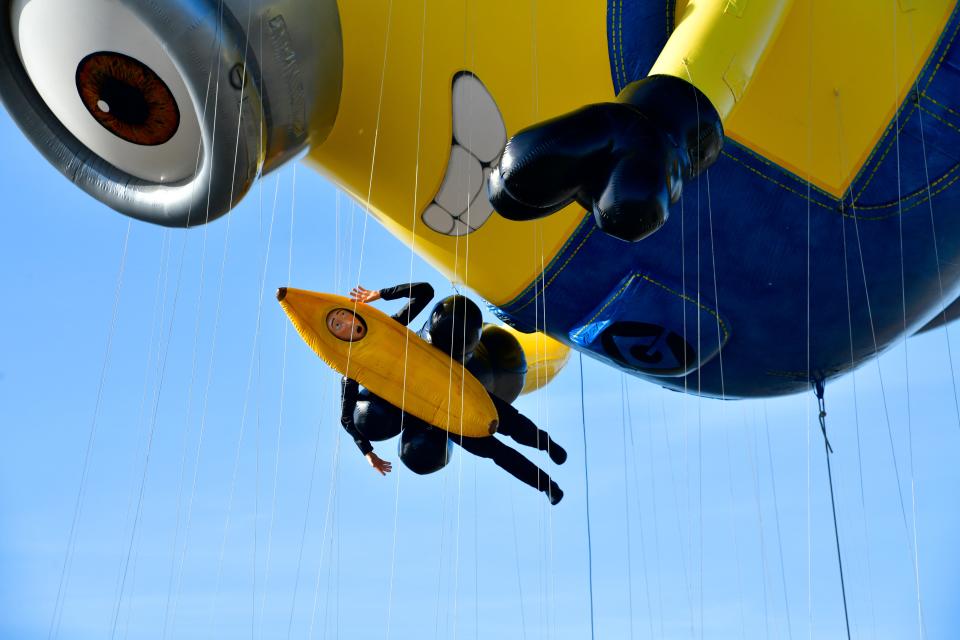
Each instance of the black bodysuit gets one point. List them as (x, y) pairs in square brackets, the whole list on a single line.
[(512, 423), (420, 294)]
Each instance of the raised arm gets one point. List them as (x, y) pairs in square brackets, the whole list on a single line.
[(420, 294)]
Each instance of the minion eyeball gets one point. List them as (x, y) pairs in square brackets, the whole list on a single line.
[(168, 112)]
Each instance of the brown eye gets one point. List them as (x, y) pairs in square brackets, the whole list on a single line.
[(127, 98)]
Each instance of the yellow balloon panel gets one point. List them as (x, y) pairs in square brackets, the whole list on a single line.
[(830, 83), (391, 143)]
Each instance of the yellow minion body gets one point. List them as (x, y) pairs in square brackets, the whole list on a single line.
[(809, 86)]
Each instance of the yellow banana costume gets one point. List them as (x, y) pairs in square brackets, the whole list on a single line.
[(394, 363)]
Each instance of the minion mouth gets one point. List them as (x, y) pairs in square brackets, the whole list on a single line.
[(461, 205)]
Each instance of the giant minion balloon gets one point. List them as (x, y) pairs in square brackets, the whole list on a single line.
[(728, 197)]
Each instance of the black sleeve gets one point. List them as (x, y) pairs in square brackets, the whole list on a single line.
[(420, 294), (349, 390)]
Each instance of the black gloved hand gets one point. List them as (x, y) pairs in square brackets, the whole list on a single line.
[(624, 161)]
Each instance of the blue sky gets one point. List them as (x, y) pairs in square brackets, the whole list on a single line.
[(221, 501)]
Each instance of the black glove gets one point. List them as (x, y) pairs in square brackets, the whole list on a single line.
[(625, 161)]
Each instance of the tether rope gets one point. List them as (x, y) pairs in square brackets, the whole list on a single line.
[(876, 353), (640, 519), (233, 481), (736, 544), (936, 248), (516, 553), (186, 433), (776, 511), (827, 449), (626, 504), (329, 517), (246, 397), (158, 314), (283, 380), (216, 326), (906, 350), (807, 423), (752, 458), (656, 519), (586, 484), (306, 515), (91, 438), (170, 608), (162, 362), (687, 586)]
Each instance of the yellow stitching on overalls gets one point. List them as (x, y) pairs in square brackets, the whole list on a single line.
[(890, 145), (904, 210), (920, 193), (610, 301), (941, 119), (779, 184), (683, 296), (566, 245), (869, 159), (946, 50), (757, 157), (933, 193), (933, 74), (613, 37), (618, 43), (939, 104), (782, 186), (723, 325), (623, 73), (557, 273)]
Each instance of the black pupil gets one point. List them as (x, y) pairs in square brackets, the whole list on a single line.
[(124, 102)]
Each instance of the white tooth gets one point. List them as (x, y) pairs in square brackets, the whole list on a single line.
[(460, 228), (477, 123), (53, 36), (462, 182), (438, 219), (479, 210)]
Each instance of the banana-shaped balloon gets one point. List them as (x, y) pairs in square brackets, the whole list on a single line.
[(394, 363)]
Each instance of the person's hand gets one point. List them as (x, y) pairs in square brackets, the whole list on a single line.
[(359, 294), (379, 464)]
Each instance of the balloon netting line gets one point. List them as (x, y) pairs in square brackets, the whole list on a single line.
[(91, 438), (906, 351), (283, 380), (873, 333), (170, 608), (181, 475), (586, 487), (776, 511), (226, 528), (626, 508)]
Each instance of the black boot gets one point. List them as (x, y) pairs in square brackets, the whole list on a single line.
[(625, 161), (554, 493), (557, 453)]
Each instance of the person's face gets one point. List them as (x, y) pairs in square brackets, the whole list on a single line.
[(345, 325)]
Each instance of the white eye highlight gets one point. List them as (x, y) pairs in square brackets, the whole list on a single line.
[(105, 75)]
